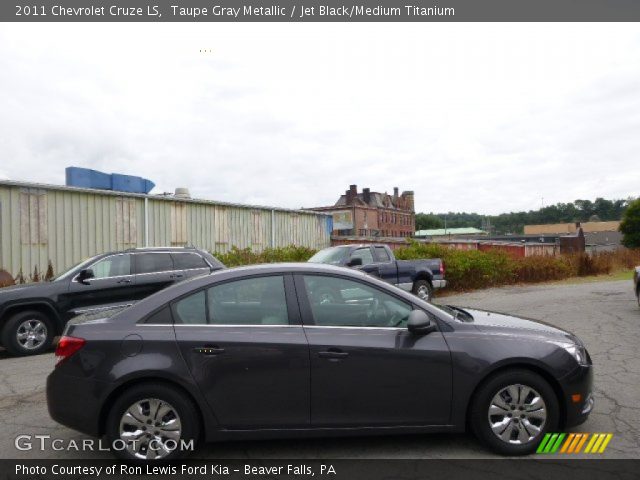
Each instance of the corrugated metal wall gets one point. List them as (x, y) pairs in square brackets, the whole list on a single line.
[(64, 225)]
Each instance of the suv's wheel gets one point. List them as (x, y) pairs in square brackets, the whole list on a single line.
[(152, 422), (513, 410), (27, 333), (423, 290)]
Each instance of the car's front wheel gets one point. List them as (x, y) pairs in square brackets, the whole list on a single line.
[(152, 422), (27, 333), (513, 410)]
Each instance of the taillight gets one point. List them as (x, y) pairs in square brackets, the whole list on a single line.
[(442, 267), (67, 346)]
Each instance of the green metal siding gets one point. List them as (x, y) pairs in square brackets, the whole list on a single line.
[(73, 224)]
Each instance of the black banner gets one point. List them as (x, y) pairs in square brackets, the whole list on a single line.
[(319, 11), (295, 469)]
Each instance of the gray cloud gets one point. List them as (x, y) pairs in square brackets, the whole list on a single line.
[(475, 117)]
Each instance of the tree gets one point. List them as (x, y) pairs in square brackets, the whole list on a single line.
[(630, 225), (429, 221)]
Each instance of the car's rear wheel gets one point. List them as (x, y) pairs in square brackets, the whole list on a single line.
[(513, 410), (27, 333), (423, 290), (152, 422)]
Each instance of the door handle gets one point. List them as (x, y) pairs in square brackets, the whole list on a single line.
[(333, 354), (176, 275), (209, 350), (124, 280)]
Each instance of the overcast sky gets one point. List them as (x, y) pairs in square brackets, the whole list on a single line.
[(473, 117)]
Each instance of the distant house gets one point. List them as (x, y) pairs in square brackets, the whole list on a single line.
[(598, 236), (372, 214)]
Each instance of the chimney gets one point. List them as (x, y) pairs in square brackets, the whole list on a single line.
[(408, 196), (395, 192), (352, 193), (366, 195)]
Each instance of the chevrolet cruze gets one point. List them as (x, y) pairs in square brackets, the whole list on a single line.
[(266, 352)]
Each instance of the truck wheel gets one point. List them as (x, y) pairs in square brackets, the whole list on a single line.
[(27, 333), (423, 290)]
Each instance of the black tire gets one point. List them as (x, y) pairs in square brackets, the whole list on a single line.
[(33, 324), (479, 412), (423, 286), (184, 407), (638, 296)]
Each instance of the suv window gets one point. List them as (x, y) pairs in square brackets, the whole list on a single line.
[(381, 255), (113, 266), (191, 310), (153, 262), (339, 302), (251, 301), (188, 261), (364, 254)]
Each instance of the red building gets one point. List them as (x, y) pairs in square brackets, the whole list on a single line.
[(372, 214)]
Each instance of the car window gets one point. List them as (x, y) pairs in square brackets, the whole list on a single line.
[(188, 261), (341, 302), (381, 255), (161, 317), (153, 262), (191, 310), (113, 266), (364, 254), (251, 301)]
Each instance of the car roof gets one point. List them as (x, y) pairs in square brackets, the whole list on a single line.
[(162, 249)]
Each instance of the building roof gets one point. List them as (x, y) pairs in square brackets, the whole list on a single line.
[(168, 197), (440, 232), (376, 199)]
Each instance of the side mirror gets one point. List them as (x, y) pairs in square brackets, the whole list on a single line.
[(419, 323), (85, 275), (355, 262)]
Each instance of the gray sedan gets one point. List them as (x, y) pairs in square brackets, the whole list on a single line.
[(262, 352)]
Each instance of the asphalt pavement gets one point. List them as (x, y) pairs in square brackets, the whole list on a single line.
[(604, 314)]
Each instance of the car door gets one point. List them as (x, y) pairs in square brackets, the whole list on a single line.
[(366, 368), (366, 256), (386, 266), (190, 264), (112, 283), (154, 271), (246, 349)]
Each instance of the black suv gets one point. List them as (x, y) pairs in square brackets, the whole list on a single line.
[(32, 315)]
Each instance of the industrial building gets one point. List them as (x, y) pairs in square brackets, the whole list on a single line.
[(372, 214), (41, 223)]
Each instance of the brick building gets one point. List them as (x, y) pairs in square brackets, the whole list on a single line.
[(372, 214)]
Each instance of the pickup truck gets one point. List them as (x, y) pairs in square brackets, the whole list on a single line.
[(418, 276)]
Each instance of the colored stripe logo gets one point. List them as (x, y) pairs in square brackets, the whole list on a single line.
[(574, 443)]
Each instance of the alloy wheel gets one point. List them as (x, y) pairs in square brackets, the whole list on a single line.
[(150, 429), (31, 334), (424, 293), (517, 414)]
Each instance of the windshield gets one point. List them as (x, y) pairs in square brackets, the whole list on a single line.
[(79, 266), (333, 255), (456, 312)]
